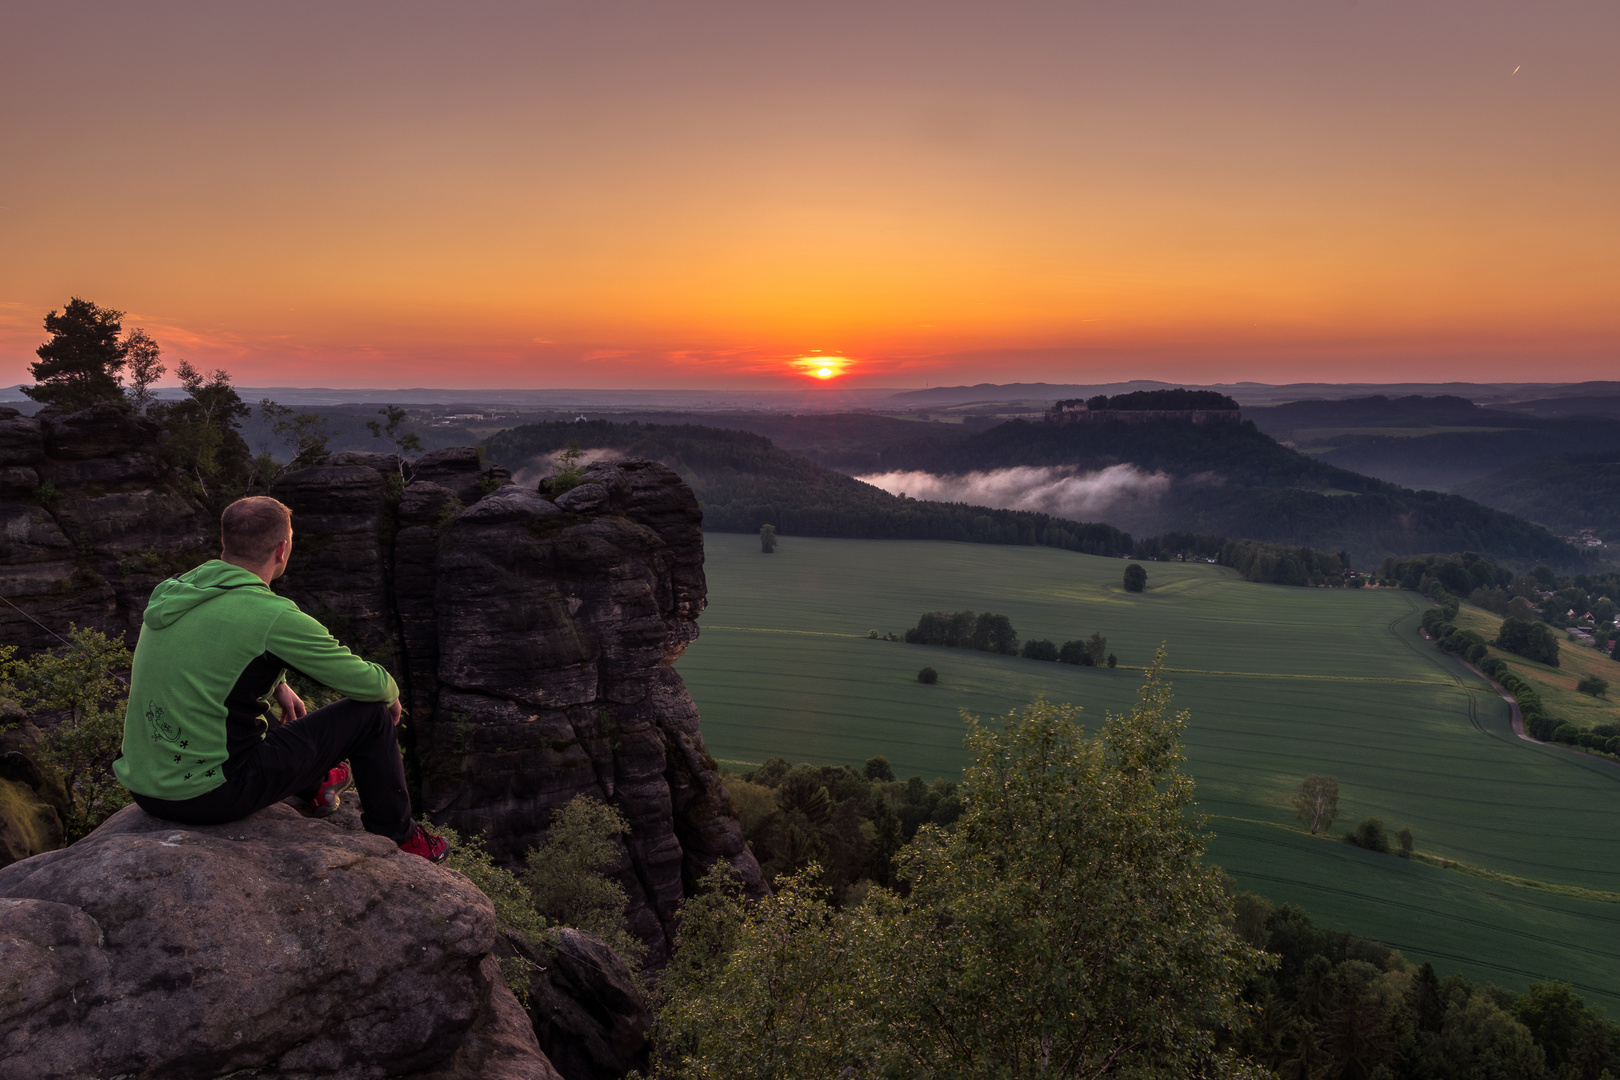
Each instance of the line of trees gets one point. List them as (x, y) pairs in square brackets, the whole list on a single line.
[(984, 632)]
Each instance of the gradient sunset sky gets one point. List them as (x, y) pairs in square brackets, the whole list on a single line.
[(670, 193)]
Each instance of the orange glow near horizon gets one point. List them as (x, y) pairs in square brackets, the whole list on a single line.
[(550, 196), (822, 368)]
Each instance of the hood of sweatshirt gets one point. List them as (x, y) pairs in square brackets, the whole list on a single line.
[(177, 596)]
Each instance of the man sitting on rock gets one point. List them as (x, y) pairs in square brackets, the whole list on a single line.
[(215, 644)]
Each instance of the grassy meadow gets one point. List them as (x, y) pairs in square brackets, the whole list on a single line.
[(1280, 682), (1556, 685)]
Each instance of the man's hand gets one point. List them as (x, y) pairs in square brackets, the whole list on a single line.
[(394, 711), (292, 706)]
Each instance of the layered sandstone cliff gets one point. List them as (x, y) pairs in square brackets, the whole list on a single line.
[(535, 641)]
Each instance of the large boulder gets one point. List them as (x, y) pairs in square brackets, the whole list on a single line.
[(590, 1016), (296, 947)]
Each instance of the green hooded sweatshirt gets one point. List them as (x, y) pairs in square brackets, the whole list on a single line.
[(214, 643)]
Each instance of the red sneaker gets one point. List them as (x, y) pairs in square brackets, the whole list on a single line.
[(328, 796), (423, 843)]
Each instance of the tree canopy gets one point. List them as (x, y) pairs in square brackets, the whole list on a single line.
[(1066, 927), (79, 366)]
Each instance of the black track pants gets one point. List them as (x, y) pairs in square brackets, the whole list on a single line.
[(293, 760)]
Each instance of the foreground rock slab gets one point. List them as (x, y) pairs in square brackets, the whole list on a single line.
[(279, 943)]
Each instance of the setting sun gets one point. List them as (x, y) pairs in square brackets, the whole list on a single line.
[(821, 367)]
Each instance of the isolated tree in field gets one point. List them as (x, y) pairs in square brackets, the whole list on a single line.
[(1403, 840), (1317, 802), (928, 676), (1113, 661), (142, 364), (767, 539), (1593, 685), (1135, 578), (79, 366)]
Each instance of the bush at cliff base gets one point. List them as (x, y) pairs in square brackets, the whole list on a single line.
[(1067, 925)]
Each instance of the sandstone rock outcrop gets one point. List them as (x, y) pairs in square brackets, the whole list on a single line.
[(279, 943), (586, 1010), (535, 641), (90, 520)]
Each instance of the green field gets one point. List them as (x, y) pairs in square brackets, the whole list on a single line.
[(1280, 682)]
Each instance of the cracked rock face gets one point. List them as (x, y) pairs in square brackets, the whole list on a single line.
[(280, 943), (534, 640), (90, 520)]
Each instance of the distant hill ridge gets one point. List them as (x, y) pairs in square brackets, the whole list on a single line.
[(1149, 406)]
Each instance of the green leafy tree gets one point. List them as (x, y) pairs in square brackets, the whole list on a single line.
[(1075, 652), (1317, 802), (404, 442), (81, 683), (201, 433), (928, 676), (569, 473), (79, 366), (767, 544), (1113, 661), (1403, 840), (1531, 640), (143, 365), (568, 874), (1594, 685), (878, 769), (1066, 926), (304, 434), (1370, 834), (1096, 649), (1135, 578)]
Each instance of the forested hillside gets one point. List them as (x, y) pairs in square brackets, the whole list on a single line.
[(1439, 443), (1228, 482), (1238, 482), (743, 482), (1565, 492)]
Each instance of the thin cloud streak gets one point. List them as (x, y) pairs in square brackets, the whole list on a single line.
[(1056, 491)]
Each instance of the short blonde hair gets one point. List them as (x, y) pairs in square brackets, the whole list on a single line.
[(250, 528)]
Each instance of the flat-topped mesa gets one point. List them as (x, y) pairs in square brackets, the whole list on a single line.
[(534, 639), (1178, 405)]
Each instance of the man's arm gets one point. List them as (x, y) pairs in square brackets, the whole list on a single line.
[(304, 645)]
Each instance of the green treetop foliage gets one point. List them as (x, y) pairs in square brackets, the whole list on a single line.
[(405, 442), (79, 366), (1135, 578), (567, 874), (1066, 926), (1317, 802), (1533, 641), (984, 632), (767, 539), (80, 682), (143, 363), (305, 434), (201, 433)]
